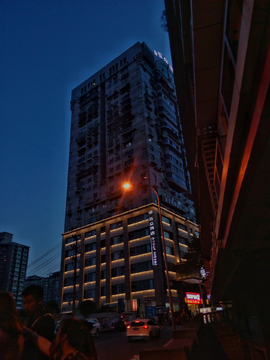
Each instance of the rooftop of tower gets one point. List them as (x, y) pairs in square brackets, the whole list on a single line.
[(115, 65)]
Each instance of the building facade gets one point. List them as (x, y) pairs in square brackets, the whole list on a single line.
[(221, 57), (50, 285), (13, 265), (125, 127)]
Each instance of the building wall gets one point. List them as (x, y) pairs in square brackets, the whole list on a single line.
[(13, 265), (221, 62), (114, 258), (49, 284)]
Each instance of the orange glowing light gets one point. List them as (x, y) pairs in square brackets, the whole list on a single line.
[(126, 186)]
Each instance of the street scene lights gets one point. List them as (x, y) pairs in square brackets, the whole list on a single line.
[(127, 186)]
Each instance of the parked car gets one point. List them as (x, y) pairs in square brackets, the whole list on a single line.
[(142, 328), (95, 326), (119, 323)]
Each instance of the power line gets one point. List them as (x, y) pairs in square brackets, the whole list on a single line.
[(44, 264), (52, 269), (44, 255)]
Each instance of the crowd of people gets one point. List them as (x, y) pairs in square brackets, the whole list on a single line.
[(37, 341)]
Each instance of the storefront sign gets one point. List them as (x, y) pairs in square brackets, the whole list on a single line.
[(152, 237), (193, 298)]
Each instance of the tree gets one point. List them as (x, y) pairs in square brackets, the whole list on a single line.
[(163, 20), (87, 307)]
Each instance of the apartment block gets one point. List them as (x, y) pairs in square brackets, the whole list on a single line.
[(13, 265)]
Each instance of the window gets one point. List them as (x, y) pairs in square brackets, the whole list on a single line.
[(142, 285), (117, 225), (169, 250), (168, 235), (90, 277), (116, 240), (138, 250), (137, 234), (69, 253), (139, 267), (69, 240), (118, 289), (183, 240), (103, 291), (182, 227), (90, 261), (69, 296), (118, 271), (138, 218), (166, 220), (89, 293), (90, 247), (70, 266), (117, 255), (90, 233)]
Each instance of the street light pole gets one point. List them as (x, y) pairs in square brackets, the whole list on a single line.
[(127, 186), (165, 258)]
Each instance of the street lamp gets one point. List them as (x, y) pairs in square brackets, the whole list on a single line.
[(127, 186)]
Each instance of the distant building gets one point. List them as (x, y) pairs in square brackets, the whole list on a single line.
[(13, 264), (125, 126), (50, 285)]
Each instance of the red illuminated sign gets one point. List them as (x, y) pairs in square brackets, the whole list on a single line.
[(193, 298)]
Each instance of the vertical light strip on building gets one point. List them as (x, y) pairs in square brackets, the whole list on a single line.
[(152, 237)]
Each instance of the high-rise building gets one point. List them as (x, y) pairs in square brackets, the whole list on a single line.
[(125, 127), (13, 265)]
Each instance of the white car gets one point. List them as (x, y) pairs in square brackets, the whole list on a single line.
[(96, 326), (142, 328)]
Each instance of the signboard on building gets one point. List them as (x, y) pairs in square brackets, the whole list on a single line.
[(193, 298), (152, 237)]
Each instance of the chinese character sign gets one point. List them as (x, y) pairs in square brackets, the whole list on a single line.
[(152, 237), (193, 298)]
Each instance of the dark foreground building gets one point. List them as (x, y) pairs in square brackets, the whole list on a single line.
[(221, 58)]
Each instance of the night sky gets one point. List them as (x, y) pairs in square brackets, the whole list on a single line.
[(48, 48)]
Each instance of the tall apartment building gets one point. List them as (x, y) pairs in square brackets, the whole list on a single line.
[(13, 265), (125, 127)]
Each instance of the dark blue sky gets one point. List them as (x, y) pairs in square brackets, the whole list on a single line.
[(48, 48)]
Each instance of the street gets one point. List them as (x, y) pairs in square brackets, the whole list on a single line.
[(115, 345)]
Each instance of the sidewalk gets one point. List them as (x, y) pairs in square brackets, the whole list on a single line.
[(199, 341), (216, 341)]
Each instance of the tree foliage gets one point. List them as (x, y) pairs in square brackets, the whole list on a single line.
[(163, 20), (87, 307)]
